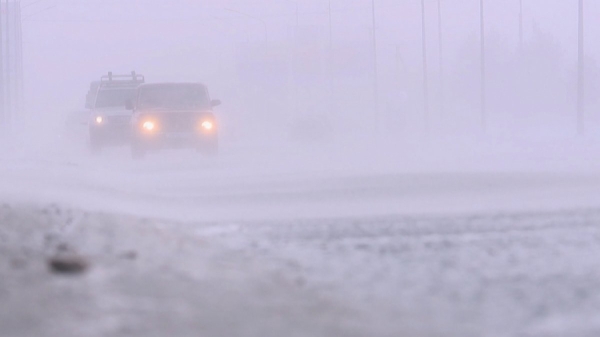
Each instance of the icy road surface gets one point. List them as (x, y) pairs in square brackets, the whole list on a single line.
[(291, 181), (302, 241)]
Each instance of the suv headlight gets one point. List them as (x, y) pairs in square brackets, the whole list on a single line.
[(148, 126), (207, 125)]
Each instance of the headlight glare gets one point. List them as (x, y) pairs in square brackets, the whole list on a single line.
[(148, 126)]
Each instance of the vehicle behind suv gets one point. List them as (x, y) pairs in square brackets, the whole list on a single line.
[(109, 122), (90, 98), (173, 115)]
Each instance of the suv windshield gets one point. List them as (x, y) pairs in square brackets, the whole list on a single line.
[(173, 96), (114, 97)]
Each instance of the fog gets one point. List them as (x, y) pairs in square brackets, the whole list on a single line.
[(299, 99), (361, 168), (532, 90)]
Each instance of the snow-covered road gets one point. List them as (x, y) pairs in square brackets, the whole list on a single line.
[(302, 241), (306, 181)]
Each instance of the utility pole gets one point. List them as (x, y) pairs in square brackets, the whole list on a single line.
[(330, 66), (520, 25), (21, 57), (441, 56), (8, 68), (295, 60), (482, 32), (3, 119), (425, 81), (18, 58), (398, 63), (581, 78), (375, 71)]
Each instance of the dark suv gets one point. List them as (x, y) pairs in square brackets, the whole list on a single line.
[(173, 115)]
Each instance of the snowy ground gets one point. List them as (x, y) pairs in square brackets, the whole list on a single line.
[(491, 275), (502, 275), (434, 239), (147, 278)]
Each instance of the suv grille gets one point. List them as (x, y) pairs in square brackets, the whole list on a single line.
[(178, 123)]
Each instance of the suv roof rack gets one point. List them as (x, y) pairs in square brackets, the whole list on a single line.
[(111, 80)]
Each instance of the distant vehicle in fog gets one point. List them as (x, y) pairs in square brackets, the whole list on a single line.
[(173, 115), (90, 98), (109, 122)]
